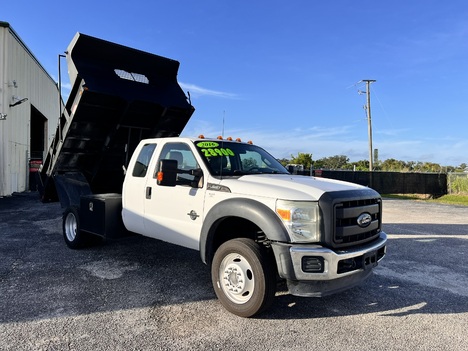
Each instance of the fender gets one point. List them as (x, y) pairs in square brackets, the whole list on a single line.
[(249, 209)]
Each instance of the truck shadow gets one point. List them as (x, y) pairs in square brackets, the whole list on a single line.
[(379, 295)]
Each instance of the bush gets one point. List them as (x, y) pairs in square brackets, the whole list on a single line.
[(458, 183)]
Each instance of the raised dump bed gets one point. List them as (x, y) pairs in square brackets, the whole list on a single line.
[(119, 96)]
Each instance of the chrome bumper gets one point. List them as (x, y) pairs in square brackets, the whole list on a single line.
[(341, 269)]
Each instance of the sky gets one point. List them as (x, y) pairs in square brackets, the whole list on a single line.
[(288, 74)]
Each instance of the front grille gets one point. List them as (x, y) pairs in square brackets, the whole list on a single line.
[(347, 231)]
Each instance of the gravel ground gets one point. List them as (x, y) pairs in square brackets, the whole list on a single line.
[(142, 294)]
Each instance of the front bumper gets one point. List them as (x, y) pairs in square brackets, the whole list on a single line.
[(336, 270)]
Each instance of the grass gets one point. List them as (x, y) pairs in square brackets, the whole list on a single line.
[(452, 200), (460, 199)]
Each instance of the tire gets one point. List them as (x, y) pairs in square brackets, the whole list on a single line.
[(74, 237), (244, 277)]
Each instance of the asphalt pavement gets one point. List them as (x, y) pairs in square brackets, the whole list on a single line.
[(142, 294)]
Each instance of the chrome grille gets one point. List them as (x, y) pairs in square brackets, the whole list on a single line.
[(347, 231)]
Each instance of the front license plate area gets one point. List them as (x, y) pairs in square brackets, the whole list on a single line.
[(369, 260)]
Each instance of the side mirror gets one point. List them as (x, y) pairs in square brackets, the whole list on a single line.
[(167, 174), (197, 172), (197, 181)]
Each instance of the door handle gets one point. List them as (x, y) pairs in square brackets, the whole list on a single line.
[(148, 192)]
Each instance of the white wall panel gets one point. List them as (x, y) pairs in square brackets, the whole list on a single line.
[(18, 64)]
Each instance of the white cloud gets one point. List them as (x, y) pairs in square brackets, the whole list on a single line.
[(196, 91), (320, 141), (325, 142)]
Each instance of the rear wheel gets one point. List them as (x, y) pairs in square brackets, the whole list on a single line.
[(244, 277), (74, 237)]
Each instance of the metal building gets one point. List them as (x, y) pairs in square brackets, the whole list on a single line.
[(29, 111)]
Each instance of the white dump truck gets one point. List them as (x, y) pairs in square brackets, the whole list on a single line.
[(118, 165)]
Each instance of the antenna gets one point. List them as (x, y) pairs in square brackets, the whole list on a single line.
[(224, 115), (222, 146)]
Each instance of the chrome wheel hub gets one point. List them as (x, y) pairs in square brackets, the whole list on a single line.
[(236, 276)]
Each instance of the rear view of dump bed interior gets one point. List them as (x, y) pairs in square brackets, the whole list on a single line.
[(119, 96)]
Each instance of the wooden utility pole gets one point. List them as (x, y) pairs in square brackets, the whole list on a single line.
[(369, 121)]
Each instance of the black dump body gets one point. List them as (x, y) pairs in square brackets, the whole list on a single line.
[(119, 96)]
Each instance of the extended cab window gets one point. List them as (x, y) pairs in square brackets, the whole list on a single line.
[(185, 161), (143, 160)]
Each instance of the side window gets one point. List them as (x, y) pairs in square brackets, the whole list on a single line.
[(143, 160), (185, 161)]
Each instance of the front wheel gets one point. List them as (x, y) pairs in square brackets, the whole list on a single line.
[(243, 277)]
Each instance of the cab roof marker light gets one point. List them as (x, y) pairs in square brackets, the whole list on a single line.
[(201, 136), (250, 142), (238, 140), (219, 137), (229, 138)]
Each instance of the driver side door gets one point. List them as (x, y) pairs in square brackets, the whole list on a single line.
[(175, 214)]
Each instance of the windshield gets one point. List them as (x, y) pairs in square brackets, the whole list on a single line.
[(235, 159)]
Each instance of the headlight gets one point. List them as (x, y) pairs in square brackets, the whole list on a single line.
[(301, 219)]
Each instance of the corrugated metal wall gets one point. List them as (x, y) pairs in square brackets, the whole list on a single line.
[(21, 76)]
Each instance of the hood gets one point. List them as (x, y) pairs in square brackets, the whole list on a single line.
[(287, 187)]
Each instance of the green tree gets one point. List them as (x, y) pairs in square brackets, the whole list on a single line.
[(462, 168), (362, 165), (392, 165), (409, 166), (333, 162), (427, 167), (431, 167), (302, 159), (450, 169)]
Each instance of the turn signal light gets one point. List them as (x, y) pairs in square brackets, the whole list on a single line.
[(284, 214)]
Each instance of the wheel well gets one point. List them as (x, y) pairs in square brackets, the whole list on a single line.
[(228, 228)]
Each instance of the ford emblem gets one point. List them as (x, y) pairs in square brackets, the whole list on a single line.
[(364, 220)]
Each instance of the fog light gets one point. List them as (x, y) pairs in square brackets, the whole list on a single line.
[(313, 264)]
